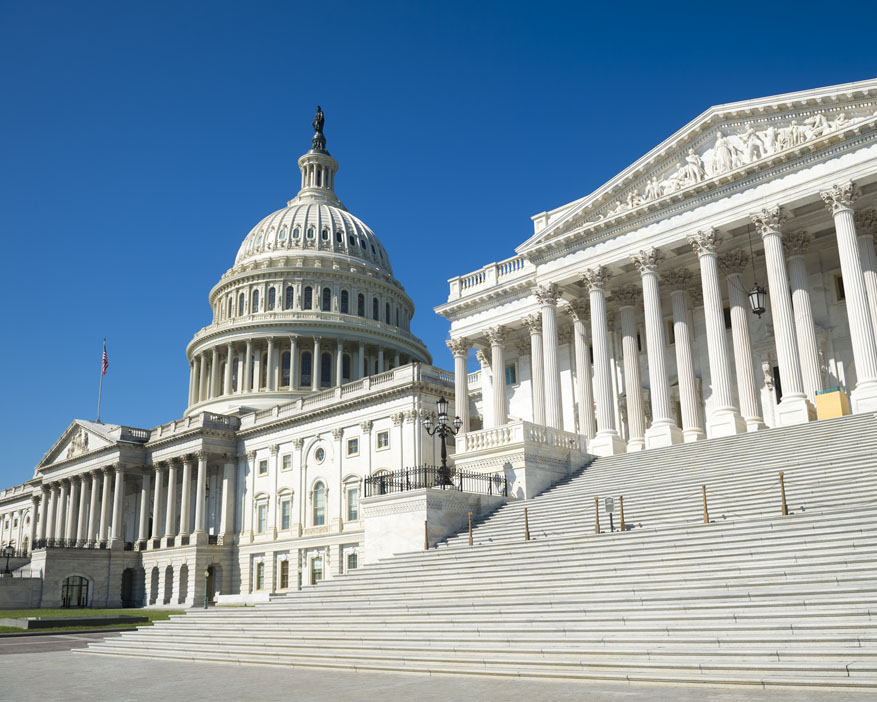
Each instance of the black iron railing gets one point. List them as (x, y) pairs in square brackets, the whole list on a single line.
[(55, 543), (14, 554), (435, 477)]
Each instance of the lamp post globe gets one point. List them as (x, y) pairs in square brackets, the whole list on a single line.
[(444, 430)]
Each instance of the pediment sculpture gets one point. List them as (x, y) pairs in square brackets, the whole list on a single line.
[(79, 444)]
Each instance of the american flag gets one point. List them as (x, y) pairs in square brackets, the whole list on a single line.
[(104, 361)]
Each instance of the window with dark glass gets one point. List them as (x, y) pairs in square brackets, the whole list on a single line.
[(305, 368), (360, 305), (272, 298), (319, 504), (375, 315), (308, 302), (345, 367), (284, 575), (284, 369), (327, 299), (326, 370), (387, 312), (255, 300), (290, 296), (241, 303), (345, 302)]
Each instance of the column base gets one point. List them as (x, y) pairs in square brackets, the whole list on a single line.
[(795, 409), (725, 422), (116, 545), (607, 444), (692, 434), (663, 433), (864, 398), (198, 538), (754, 424), (637, 444)]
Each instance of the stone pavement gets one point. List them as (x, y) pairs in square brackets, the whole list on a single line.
[(46, 643), (66, 677)]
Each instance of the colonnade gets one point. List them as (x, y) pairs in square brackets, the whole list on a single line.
[(793, 326), (286, 363)]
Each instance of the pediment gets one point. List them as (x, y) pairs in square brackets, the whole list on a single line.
[(80, 438), (723, 144)]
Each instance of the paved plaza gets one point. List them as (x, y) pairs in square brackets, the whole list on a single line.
[(64, 675)]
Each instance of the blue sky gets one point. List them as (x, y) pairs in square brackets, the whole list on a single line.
[(140, 142)]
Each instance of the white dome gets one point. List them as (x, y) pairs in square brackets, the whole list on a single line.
[(315, 227)]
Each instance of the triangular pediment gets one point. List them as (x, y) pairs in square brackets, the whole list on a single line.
[(80, 438), (725, 143)]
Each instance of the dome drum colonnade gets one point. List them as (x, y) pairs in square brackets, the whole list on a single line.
[(793, 325)]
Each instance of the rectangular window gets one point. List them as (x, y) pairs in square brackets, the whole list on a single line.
[(511, 375), (353, 447), (284, 575), (383, 440), (263, 467), (351, 561), (352, 504), (285, 510), (262, 518), (316, 570), (260, 576), (287, 461), (839, 288)]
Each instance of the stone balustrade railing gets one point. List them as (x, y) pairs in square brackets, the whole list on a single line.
[(474, 378), (519, 432), (489, 275)]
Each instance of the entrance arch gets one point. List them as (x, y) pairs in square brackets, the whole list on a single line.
[(74, 591)]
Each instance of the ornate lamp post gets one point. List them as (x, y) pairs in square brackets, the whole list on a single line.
[(443, 429), (8, 550), (206, 581)]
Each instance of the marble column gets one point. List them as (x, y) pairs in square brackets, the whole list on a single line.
[(118, 505), (628, 297), (269, 371), (61, 516), (486, 388), (496, 336), (663, 430), (460, 349), (795, 246), (533, 323), (363, 371), (381, 367), (680, 280), (53, 505), (866, 228), (547, 296), (143, 527), (202, 378), (316, 366), (247, 384), (839, 201), (226, 514), (193, 374), (794, 408), (724, 418), (606, 442), (229, 363), (35, 506), (215, 390), (170, 512), (43, 514), (578, 310), (733, 264), (339, 363), (93, 508), (186, 497), (156, 502), (200, 493), (72, 510), (81, 521)]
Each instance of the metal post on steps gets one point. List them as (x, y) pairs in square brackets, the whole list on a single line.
[(597, 515), (621, 507), (783, 493), (470, 528), (425, 535), (526, 526), (706, 512)]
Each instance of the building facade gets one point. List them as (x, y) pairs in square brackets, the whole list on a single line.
[(307, 380)]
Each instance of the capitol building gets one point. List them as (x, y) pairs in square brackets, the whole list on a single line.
[(723, 284)]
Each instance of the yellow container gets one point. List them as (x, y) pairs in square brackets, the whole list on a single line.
[(832, 403)]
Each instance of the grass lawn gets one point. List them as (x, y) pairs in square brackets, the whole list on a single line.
[(155, 615)]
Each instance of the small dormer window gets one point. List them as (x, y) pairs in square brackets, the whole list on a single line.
[(374, 253), (296, 233), (351, 240), (325, 235), (310, 232), (282, 235), (339, 237), (259, 239)]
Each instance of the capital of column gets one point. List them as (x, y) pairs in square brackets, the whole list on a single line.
[(533, 322), (251, 456), (496, 335), (866, 222), (678, 279), (796, 243), (482, 357), (769, 220), (647, 260), (706, 242), (839, 197), (274, 449), (202, 455), (397, 418), (160, 467), (459, 347), (410, 416), (337, 433), (733, 262), (366, 427), (108, 470), (627, 296), (546, 294), (297, 444), (596, 278)]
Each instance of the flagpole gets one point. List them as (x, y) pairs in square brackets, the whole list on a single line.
[(100, 387)]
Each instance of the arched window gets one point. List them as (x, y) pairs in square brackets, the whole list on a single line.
[(339, 237), (272, 298), (235, 374), (377, 367), (74, 592), (351, 240), (325, 235), (345, 366), (310, 232), (290, 296), (230, 308), (387, 312), (296, 233), (263, 372), (241, 302), (345, 302), (319, 503), (255, 301), (319, 177), (326, 369), (327, 299), (397, 316), (308, 302), (305, 369), (360, 305), (375, 314), (284, 369)]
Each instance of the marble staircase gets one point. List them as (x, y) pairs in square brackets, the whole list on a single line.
[(751, 599)]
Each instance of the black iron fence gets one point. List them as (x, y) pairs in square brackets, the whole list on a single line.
[(436, 477)]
